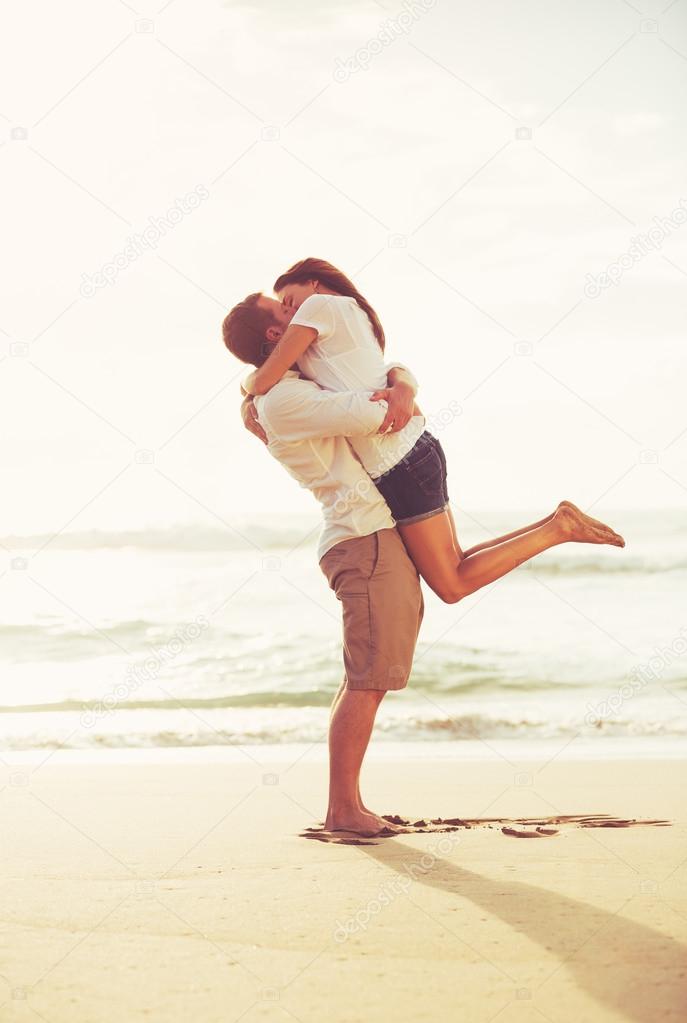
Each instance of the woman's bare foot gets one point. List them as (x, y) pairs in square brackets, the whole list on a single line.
[(581, 528), (596, 522)]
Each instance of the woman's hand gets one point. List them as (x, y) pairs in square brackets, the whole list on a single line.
[(250, 419), (401, 401)]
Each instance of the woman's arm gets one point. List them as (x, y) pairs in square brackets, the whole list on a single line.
[(286, 351)]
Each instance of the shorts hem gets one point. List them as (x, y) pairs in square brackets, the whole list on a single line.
[(423, 515), (372, 687)]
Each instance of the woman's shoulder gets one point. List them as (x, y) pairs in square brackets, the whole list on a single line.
[(326, 308), (319, 301), (315, 305)]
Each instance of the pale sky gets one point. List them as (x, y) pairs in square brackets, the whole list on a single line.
[(469, 164)]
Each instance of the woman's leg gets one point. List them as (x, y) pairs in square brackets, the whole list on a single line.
[(499, 539), (453, 575), (516, 532)]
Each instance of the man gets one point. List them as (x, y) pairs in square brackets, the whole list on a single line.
[(360, 551)]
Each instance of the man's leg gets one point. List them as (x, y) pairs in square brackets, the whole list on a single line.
[(350, 729), (339, 693), (335, 703), (379, 589)]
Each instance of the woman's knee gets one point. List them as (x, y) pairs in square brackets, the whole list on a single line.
[(449, 594), (447, 587)]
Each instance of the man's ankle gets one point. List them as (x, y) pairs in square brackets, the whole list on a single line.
[(342, 808)]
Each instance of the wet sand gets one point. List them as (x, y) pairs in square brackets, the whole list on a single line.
[(169, 891)]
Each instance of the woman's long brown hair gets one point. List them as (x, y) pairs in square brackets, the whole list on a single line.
[(319, 270)]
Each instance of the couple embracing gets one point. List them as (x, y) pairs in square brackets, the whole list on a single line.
[(344, 423)]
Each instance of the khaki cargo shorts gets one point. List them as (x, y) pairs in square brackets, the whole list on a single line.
[(382, 604)]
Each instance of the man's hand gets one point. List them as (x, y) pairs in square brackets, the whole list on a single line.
[(401, 400), (250, 419)]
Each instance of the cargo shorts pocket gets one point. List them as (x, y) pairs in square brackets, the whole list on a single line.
[(350, 565), (358, 653)]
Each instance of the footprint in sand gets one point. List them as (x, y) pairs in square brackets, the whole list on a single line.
[(537, 833), (336, 837), (518, 827)]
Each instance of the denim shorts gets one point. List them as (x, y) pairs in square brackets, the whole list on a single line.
[(415, 488)]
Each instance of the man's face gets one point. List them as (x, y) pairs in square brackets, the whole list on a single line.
[(282, 316)]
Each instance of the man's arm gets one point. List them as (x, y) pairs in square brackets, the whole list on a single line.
[(307, 412), (398, 374), (400, 395), (250, 419)]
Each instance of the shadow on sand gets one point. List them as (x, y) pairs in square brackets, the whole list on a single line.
[(625, 966)]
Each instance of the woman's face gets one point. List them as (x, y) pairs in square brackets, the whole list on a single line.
[(293, 295)]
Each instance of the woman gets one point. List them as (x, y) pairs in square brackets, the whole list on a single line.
[(337, 340)]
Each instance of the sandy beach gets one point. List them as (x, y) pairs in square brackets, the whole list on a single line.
[(176, 889)]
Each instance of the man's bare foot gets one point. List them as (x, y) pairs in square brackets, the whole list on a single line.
[(361, 805), (391, 825), (581, 528), (359, 822)]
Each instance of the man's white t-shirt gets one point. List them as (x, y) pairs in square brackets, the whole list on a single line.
[(306, 430), (346, 356)]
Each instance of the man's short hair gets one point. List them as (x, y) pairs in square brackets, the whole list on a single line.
[(244, 328)]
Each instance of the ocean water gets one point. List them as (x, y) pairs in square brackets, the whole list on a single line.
[(212, 637)]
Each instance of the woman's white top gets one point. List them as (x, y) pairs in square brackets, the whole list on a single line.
[(346, 356)]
